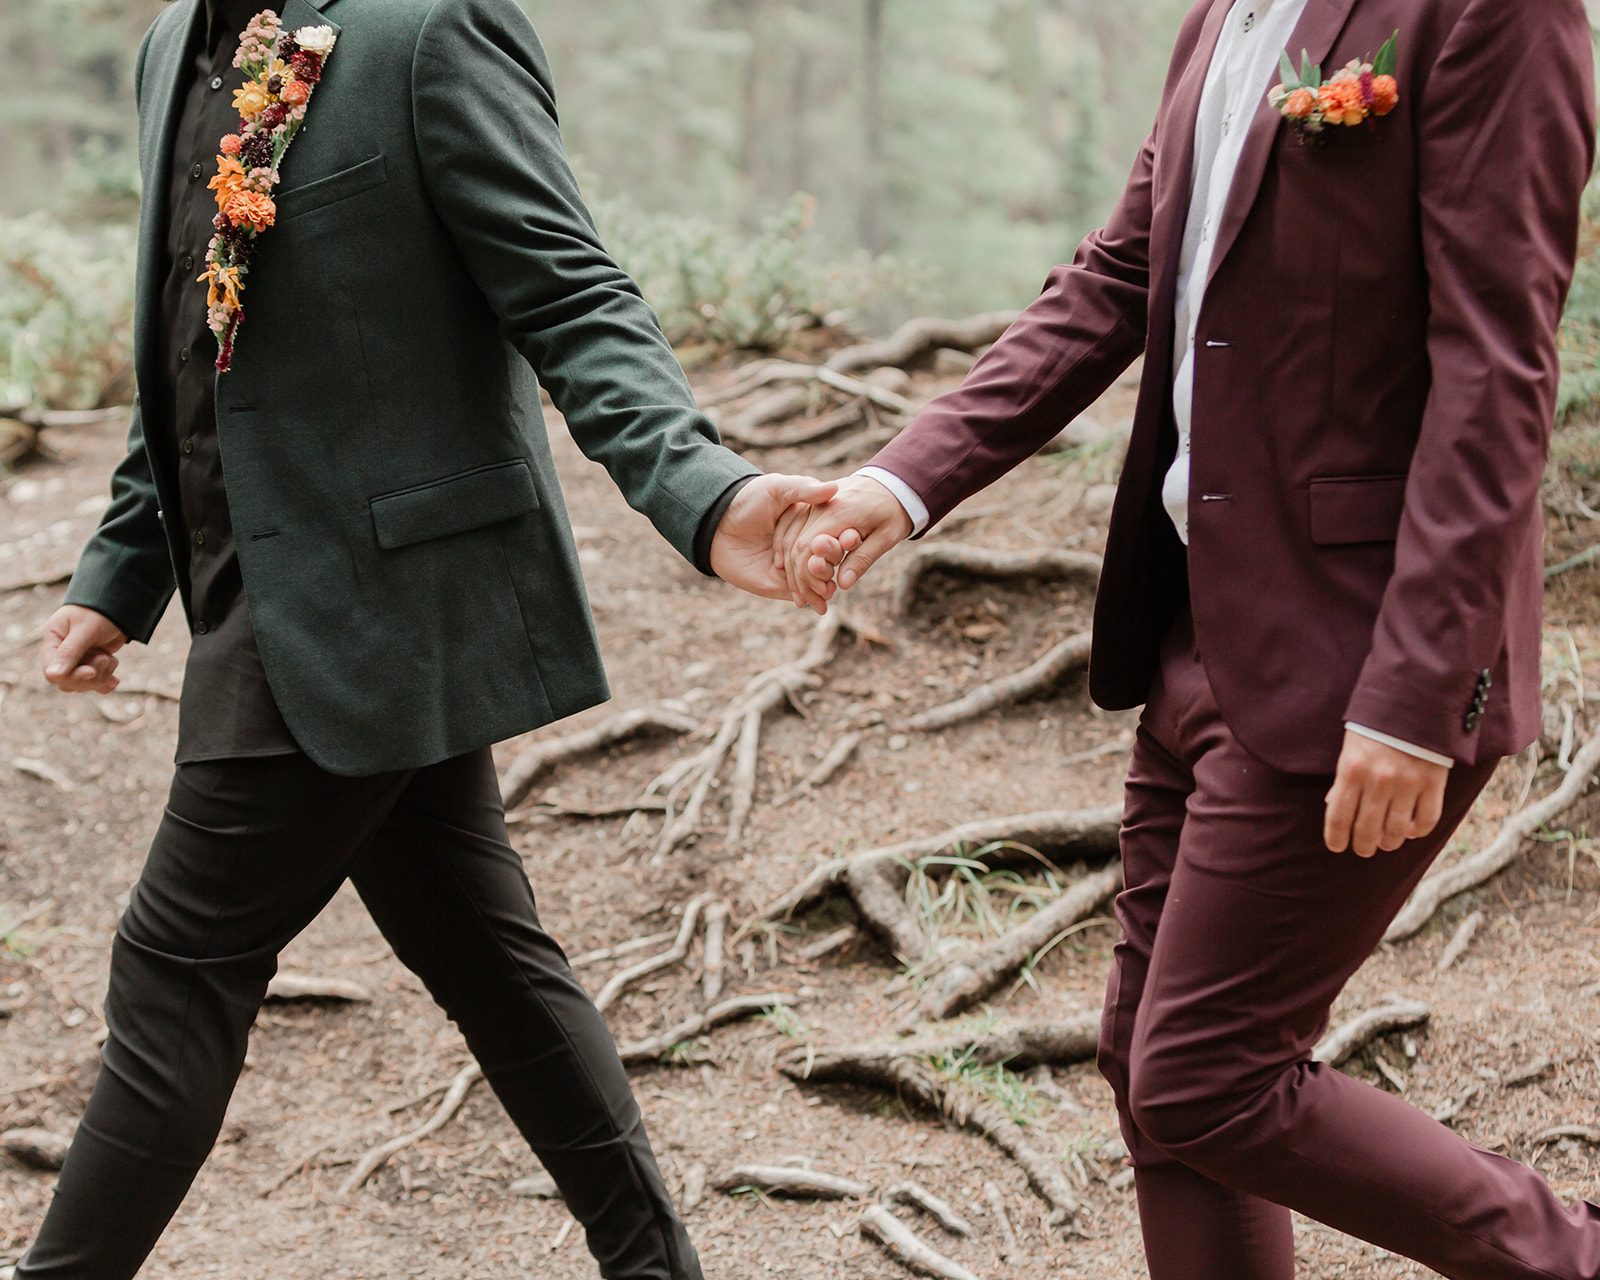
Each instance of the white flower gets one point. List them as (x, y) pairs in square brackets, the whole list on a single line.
[(318, 40)]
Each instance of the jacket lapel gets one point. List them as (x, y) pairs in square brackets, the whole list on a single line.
[(305, 13), (1318, 28), (163, 69)]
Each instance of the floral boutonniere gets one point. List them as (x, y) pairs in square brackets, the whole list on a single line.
[(283, 68), (1354, 93)]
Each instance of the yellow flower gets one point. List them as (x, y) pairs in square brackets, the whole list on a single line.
[(251, 100), (224, 283)]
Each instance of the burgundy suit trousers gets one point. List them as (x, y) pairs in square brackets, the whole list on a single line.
[(1239, 930)]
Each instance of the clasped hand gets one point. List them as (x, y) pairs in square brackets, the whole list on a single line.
[(828, 547)]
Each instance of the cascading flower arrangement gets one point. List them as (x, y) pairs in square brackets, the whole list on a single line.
[(282, 69), (1353, 94)]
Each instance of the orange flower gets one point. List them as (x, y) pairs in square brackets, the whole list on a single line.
[(1341, 102), (231, 143), (295, 93), (1385, 95), (224, 282), (1300, 104), (229, 181), (250, 207)]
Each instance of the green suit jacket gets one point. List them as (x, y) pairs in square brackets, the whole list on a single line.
[(406, 553)]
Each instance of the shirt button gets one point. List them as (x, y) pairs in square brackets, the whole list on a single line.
[(197, 172), (216, 82), (200, 628), (200, 538), (188, 262), (183, 355), (188, 446)]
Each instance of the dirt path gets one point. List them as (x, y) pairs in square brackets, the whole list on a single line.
[(324, 1078)]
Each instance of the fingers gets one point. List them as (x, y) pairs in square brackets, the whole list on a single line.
[(1430, 808), (855, 565), (78, 650), (1381, 797), (789, 490), (1339, 821)]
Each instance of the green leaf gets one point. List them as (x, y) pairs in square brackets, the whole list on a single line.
[(1310, 72), (1388, 57), (1291, 82)]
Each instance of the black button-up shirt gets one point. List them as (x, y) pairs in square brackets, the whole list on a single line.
[(227, 707)]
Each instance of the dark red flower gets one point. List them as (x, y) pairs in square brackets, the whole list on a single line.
[(274, 115), (255, 152), (288, 46), (307, 66)]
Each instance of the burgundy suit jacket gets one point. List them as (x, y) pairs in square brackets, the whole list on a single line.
[(1375, 383)]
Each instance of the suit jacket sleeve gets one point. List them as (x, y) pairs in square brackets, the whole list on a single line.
[(1506, 143), (1083, 330), (494, 165), (125, 572)]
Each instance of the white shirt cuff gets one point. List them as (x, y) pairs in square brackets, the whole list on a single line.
[(904, 494), (1421, 753)]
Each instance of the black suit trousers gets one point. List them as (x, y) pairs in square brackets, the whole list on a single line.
[(248, 851)]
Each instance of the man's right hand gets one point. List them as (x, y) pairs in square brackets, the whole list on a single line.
[(830, 546), (80, 649)]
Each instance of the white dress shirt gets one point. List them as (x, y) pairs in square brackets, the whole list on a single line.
[(1243, 69)]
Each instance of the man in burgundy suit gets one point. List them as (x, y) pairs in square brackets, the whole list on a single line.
[(1322, 580)]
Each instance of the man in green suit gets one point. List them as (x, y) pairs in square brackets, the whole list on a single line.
[(385, 584)]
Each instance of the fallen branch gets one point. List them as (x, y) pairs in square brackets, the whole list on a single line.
[(980, 562), (820, 947), (781, 1180), (286, 987), (914, 1079), (877, 1223), (651, 1049), (921, 337), (1350, 1038), (1070, 655), (621, 949), (526, 769), (1472, 871), (1086, 833), (974, 975), (919, 1197), (374, 1160), (716, 933), (672, 955)]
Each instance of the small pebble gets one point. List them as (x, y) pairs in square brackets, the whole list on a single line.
[(899, 742)]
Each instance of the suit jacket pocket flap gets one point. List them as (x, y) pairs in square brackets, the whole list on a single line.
[(455, 504), (336, 186), (1349, 509)]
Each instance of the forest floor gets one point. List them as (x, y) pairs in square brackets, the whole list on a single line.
[(323, 1081)]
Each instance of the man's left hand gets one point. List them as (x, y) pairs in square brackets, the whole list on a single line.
[(1381, 798), (742, 550)]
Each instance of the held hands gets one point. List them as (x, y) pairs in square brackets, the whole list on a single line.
[(742, 549), (828, 547), (80, 647), (1381, 798)]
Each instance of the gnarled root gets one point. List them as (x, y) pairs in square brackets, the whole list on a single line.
[(980, 562)]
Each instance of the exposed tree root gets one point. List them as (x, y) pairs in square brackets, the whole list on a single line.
[(672, 955), (868, 441), (972, 976), (917, 339), (741, 722), (1074, 1039), (837, 756), (1501, 852), (1578, 1132), (374, 1160), (919, 1197), (1071, 654), (903, 1244), (807, 431), (875, 888), (716, 935), (621, 949), (781, 1180), (1010, 1249), (644, 1052), (286, 987), (1350, 1038), (1459, 941), (912, 1078), (980, 562), (526, 769), (1087, 833), (36, 1148)]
